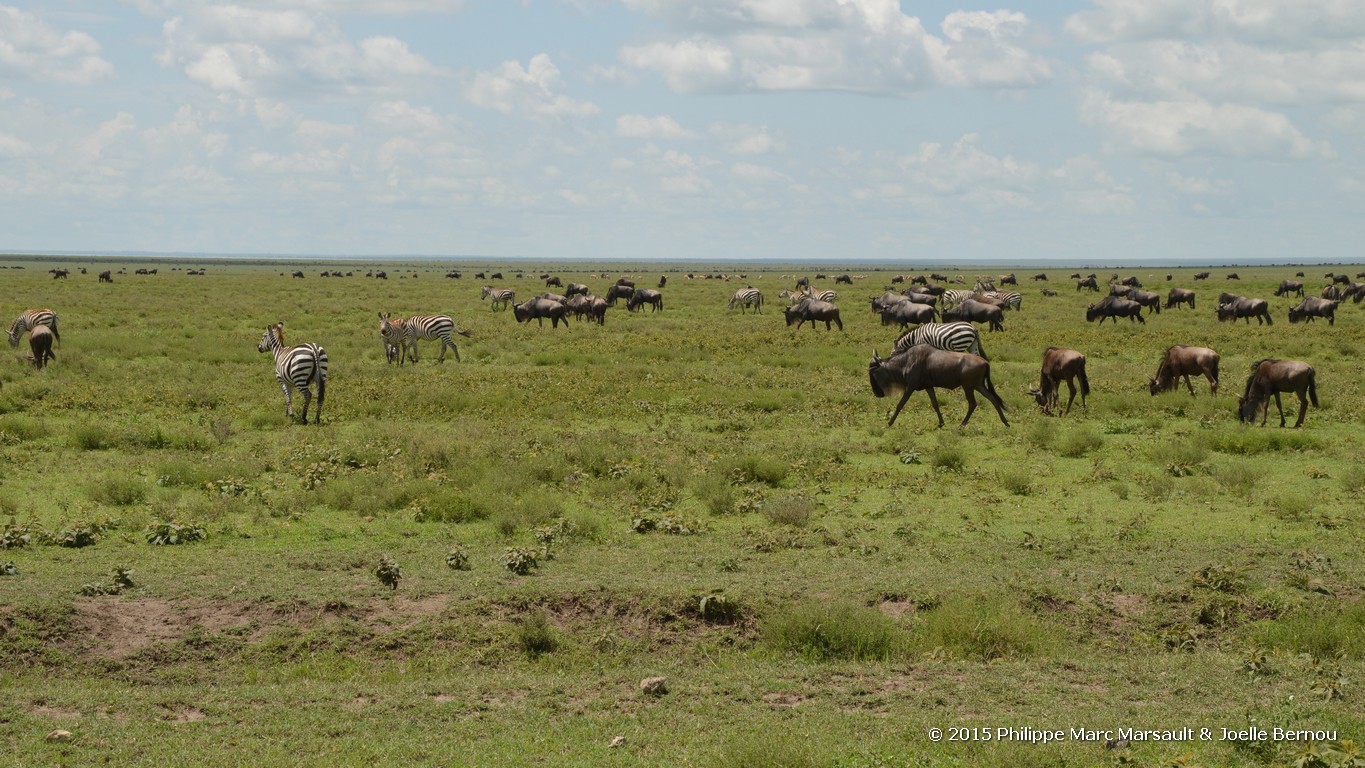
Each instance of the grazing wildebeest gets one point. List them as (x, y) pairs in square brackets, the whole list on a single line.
[(925, 367), (898, 279), (936, 276), (1300, 274), (494, 276), (663, 281), (1181, 360), (1118, 289), (1049, 292), (298, 274), (1169, 277), (813, 311), (59, 273), (559, 297), (1358, 274), (905, 312), (844, 279), (649, 296), (619, 291), (1131, 282), (1149, 299), (577, 289), (1313, 307), (1201, 276), (40, 346), (1113, 307), (1271, 377), (105, 277), (1060, 364), (1008, 279), (920, 297), (1342, 278), (1246, 308), (555, 281), (1075, 275), (1332, 293), (922, 280), (539, 308), (598, 310), (1040, 276), (1089, 282), (1179, 296), (1289, 286), (1233, 276), (976, 312)]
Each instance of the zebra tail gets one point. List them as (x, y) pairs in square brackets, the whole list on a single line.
[(982, 349), (463, 332), (1313, 388)]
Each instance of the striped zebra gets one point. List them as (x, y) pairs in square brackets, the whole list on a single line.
[(300, 366), (954, 296), (502, 297), (394, 332), (953, 337), (746, 297), (829, 296), (1009, 298), (433, 327), (30, 319)]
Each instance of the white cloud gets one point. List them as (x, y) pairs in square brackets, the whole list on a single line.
[(30, 48), (645, 127), (747, 140), (535, 90), (1254, 20)]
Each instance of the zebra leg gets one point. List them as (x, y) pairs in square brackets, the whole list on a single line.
[(288, 399), (307, 397)]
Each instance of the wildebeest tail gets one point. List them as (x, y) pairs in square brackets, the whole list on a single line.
[(1085, 383), (1313, 388), (990, 387)]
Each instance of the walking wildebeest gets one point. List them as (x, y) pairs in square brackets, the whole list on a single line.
[(1233, 276), (1201, 276), (1008, 279), (105, 277), (619, 291), (1245, 308), (1040, 276), (1313, 307), (645, 296), (539, 308), (576, 289), (1181, 360), (1149, 299), (1060, 364), (976, 312), (1114, 308), (925, 367), (1289, 286), (1179, 296), (1341, 278), (844, 279), (555, 281), (40, 346), (1089, 282), (905, 312), (814, 311), (1271, 377)]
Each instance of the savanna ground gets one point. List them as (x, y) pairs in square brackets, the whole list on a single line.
[(709, 496)]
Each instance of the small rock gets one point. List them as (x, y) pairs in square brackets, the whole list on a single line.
[(58, 735), (654, 686), (619, 741)]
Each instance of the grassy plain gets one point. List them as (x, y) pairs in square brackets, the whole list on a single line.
[(723, 505)]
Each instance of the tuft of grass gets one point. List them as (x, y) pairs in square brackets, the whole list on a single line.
[(831, 630), (1323, 634), (1239, 477), (755, 469), (982, 628), (790, 510), (1017, 481), (716, 493), (762, 751), (118, 490), (1079, 441), (535, 637), (1292, 508), (92, 437), (948, 456)]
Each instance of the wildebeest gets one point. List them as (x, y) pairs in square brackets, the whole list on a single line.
[(538, 308), (1179, 296), (494, 276), (1008, 279), (1313, 307), (1300, 274), (976, 312), (1332, 293), (1131, 282), (1181, 360), (1149, 299), (1089, 282), (1118, 289), (1342, 278), (905, 312), (1201, 276), (555, 281), (1113, 307), (813, 311), (298, 274), (1075, 275), (663, 281), (59, 273), (1246, 308), (576, 289), (1049, 292), (1233, 276), (1040, 276), (1271, 377), (925, 367), (40, 346), (802, 282), (649, 296), (1060, 364), (105, 277), (920, 297), (1289, 286), (844, 279), (619, 291), (1169, 277)]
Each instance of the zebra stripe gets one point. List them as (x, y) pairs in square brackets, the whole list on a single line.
[(954, 296), (30, 319), (829, 296), (395, 335), (300, 366), (746, 297), (433, 327), (500, 296), (1010, 298), (953, 337)]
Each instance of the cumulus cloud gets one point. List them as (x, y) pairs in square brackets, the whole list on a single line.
[(645, 127), (32, 49), (1256, 20), (535, 90), (848, 45)]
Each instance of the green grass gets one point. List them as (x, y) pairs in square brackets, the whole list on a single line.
[(819, 589)]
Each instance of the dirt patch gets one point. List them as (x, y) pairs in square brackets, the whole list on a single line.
[(897, 608), (784, 700), (1129, 606), (42, 710), (187, 715)]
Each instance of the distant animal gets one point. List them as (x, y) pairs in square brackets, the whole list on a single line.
[(1169, 277), (382, 275), (1076, 276), (645, 296), (501, 298), (576, 289), (1271, 377), (936, 276), (30, 319), (1246, 308), (1233, 276), (59, 273), (619, 291), (1008, 279), (555, 281), (105, 277), (1342, 278), (394, 334), (844, 279), (1201, 276), (494, 276), (803, 282), (625, 282), (953, 337), (746, 297), (1149, 299), (1181, 360), (905, 313), (1289, 286), (813, 311), (1049, 292), (1179, 296), (898, 279), (1313, 307), (923, 367), (538, 308), (1114, 308), (1089, 282), (976, 312), (1300, 274), (300, 366), (440, 327), (1040, 276), (1007, 299), (298, 274), (1060, 364), (1120, 290), (663, 280), (1131, 282), (40, 346)]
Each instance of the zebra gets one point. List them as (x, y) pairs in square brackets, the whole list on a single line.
[(300, 366), (433, 327), (394, 332), (30, 319), (500, 296), (1009, 298), (955, 296), (746, 297), (829, 296), (953, 337)]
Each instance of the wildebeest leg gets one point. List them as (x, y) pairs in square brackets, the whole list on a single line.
[(1188, 384), (994, 400), (971, 404), (1303, 409), (1279, 407), (933, 400), (901, 405), (838, 322), (1070, 385)]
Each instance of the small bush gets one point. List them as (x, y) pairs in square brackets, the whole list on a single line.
[(92, 437), (948, 457), (118, 490), (716, 493), (1017, 481), (535, 636), (755, 469), (719, 608), (827, 631), (791, 510), (388, 572), (1238, 477), (1293, 508), (1181, 458), (519, 560), (173, 533), (1042, 433), (1078, 441), (457, 559), (982, 628)]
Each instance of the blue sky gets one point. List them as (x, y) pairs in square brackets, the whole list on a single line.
[(866, 130)]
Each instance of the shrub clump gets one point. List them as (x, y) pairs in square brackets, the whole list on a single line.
[(1079, 441), (535, 636), (828, 631), (983, 629), (789, 510)]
